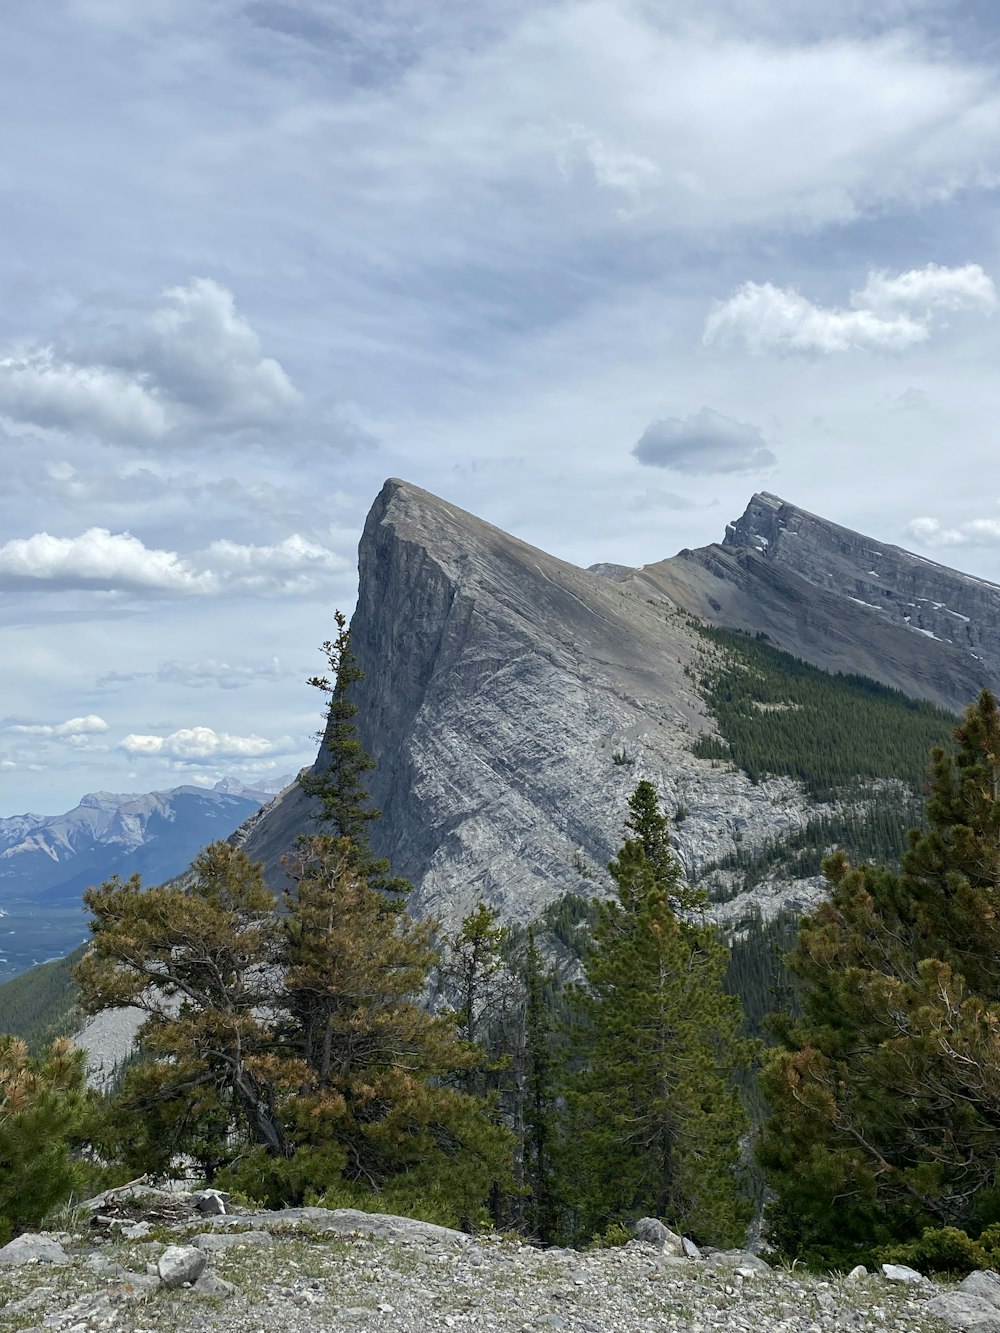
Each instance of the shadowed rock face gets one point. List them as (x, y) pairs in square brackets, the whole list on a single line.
[(501, 682)]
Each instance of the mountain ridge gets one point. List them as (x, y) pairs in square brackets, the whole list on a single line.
[(501, 683)]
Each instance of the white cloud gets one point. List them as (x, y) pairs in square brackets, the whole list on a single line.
[(974, 532), (37, 387), (194, 364), (194, 744), (119, 562), (705, 442), (206, 357), (887, 314), (768, 318), (98, 559), (932, 288), (73, 727), (613, 167)]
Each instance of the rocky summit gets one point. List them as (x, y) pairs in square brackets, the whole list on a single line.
[(512, 701), (158, 1262)]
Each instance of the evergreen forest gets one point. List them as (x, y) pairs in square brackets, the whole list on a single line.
[(835, 733)]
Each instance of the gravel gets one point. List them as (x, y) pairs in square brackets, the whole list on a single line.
[(311, 1282)]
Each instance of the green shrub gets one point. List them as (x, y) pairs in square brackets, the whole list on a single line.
[(940, 1250), (279, 1182), (617, 1233)]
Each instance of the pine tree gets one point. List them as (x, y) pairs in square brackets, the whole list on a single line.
[(473, 973), (653, 1122), (649, 826), (539, 1119), (378, 1067), (886, 1094), (199, 962), (43, 1115), (336, 780)]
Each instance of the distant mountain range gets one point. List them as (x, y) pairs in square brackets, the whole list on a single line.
[(47, 861)]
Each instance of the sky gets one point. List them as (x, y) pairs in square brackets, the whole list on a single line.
[(595, 270)]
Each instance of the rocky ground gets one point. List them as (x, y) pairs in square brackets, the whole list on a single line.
[(310, 1270)]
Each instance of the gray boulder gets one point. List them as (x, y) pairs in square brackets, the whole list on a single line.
[(960, 1310), (651, 1231), (179, 1264), (347, 1222), (210, 1202), (901, 1273), (32, 1249), (737, 1259), (210, 1284), (984, 1283)]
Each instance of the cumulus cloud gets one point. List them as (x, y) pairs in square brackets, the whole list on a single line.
[(100, 560), (974, 532), (197, 744), (73, 727), (705, 442), (194, 364), (37, 387), (887, 314), (206, 357), (293, 562)]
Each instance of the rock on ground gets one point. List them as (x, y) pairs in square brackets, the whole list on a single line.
[(181, 1263), (32, 1249)]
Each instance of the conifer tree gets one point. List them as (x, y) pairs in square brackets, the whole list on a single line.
[(647, 824), (473, 972), (653, 1122), (43, 1114), (377, 1063), (199, 962), (337, 777), (886, 1094), (538, 1173)]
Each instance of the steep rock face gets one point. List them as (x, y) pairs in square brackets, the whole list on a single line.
[(500, 684), (905, 589)]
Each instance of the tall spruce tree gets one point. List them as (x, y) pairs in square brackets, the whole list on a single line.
[(653, 1121), (336, 780), (886, 1093)]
